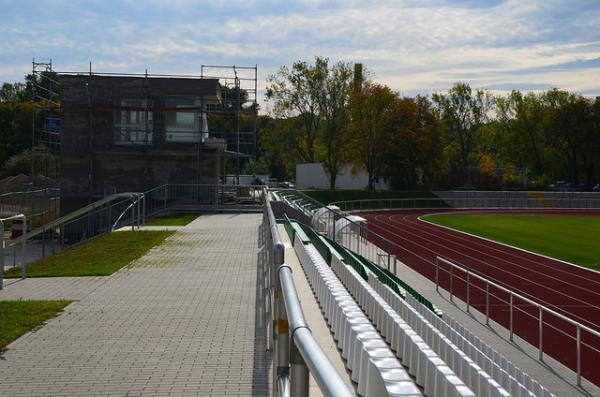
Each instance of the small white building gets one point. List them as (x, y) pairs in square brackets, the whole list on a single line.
[(313, 176)]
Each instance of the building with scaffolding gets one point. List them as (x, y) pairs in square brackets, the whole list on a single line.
[(133, 132)]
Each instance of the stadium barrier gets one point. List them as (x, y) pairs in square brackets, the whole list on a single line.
[(456, 273), (295, 351)]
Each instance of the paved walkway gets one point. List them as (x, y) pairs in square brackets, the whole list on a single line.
[(182, 320)]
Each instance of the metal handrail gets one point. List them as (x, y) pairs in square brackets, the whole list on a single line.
[(70, 216), (325, 374), (135, 204), (27, 191), (295, 350), (578, 326), (74, 216)]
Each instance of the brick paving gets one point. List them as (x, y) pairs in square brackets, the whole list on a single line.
[(182, 320), (70, 288)]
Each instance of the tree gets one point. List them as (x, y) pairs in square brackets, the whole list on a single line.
[(463, 112), (592, 159), (277, 142), (313, 101), (15, 128), (521, 118), (371, 108), (570, 131), (13, 92), (333, 107), (296, 93), (415, 151)]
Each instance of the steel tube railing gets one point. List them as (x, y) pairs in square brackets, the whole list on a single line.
[(295, 351), (541, 311), (84, 222), (325, 374)]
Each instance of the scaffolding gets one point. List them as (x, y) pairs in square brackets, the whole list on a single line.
[(46, 123), (232, 119), (237, 111)]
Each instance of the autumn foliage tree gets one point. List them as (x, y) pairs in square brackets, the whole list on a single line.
[(462, 137), (371, 127)]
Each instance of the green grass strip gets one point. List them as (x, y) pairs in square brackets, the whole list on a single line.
[(570, 238), (20, 317), (99, 256), (171, 220)]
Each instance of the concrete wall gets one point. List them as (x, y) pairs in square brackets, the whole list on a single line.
[(312, 175)]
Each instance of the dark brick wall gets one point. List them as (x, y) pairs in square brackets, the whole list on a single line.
[(92, 165)]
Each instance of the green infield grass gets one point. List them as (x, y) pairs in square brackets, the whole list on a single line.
[(19, 317), (171, 220), (573, 239), (99, 256)]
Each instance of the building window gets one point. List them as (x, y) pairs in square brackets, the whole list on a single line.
[(186, 125), (133, 123)]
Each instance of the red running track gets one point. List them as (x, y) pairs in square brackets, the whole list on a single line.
[(567, 289)]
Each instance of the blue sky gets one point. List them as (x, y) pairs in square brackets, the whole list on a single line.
[(413, 46)]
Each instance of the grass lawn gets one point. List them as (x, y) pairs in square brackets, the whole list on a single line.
[(99, 256), (328, 196), (573, 239), (19, 317), (171, 220)]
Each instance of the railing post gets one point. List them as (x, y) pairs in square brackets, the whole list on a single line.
[(578, 356), (358, 239), (298, 373), (280, 326), (1, 254), (468, 291), (53, 240), (24, 250), (437, 274), (541, 330), (132, 214), (139, 210), (510, 321), (333, 226), (109, 217), (166, 195), (451, 274), (487, 303)]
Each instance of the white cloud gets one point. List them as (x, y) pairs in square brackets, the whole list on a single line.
[(415, 46)]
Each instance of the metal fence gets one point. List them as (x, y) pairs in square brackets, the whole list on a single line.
[(39, 206), (192, 197), (487, 295), (469, 202), (50, 233), (102, 216), (295, 351)]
